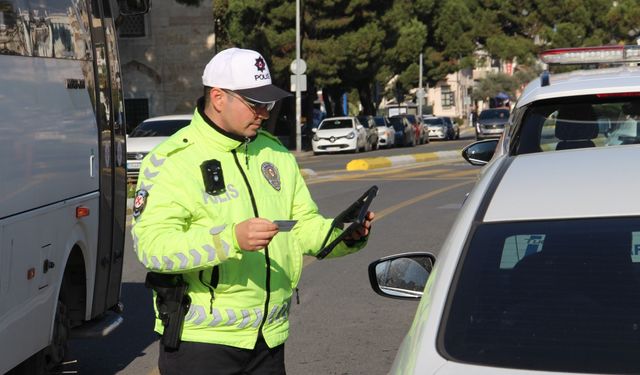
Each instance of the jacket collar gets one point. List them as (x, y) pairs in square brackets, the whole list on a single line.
[(212, 133)]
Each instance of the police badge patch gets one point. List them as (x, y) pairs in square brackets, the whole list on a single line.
[(270, 172), (139, 202)]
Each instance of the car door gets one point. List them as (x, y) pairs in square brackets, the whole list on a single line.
[(361, 131)]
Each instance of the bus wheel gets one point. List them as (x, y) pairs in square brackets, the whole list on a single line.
[(55, 353), (47, 360)]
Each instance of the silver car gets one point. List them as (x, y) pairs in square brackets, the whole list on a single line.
[(540, 272)]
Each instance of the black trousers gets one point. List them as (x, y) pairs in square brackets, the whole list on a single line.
[(195, 358)]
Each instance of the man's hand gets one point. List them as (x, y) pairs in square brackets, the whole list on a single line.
[(254, 234), (364, 229)]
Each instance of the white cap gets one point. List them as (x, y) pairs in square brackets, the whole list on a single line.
[(244, 72)]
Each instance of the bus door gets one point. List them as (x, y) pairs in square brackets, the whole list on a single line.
[(109, 111)]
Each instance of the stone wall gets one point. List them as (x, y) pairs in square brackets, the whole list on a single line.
[(166, 65)]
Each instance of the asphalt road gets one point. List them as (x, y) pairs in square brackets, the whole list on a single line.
[(340, 326), (338, 161)]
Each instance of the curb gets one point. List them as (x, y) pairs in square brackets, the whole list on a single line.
[(384, 162)]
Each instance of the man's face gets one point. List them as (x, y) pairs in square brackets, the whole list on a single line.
[(241, 116)]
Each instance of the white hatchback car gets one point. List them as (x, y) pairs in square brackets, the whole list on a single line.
[(540, 273), (148, 135), (339, 134)]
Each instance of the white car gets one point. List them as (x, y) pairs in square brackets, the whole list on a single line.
[(148, 135), (339, 134), (436, 128), (540, 273), (386, 133)]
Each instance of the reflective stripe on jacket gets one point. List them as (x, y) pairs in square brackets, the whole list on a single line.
[(182, 229)]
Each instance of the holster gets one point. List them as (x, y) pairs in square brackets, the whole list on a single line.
[(172, 303)]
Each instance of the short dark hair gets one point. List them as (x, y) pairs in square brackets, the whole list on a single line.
[(207, 92)]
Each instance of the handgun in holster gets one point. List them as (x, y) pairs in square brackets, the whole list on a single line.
[(172, 302)]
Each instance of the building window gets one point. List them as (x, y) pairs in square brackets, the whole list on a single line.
[(136, 111), (447, 97), (133, 27)]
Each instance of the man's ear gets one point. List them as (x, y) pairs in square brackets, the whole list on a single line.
[(217, 98)]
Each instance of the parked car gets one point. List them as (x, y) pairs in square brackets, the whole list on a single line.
[(437, 128), (405, 132), (339, 134), (421, 136), (372, 132), (147, 135), (538, 274), (454, 129), (491, 123), (386, 133)]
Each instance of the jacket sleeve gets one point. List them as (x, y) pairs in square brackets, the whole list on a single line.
[(312, 228), (166, 237)]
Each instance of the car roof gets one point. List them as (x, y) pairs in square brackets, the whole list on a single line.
[(170, 117), (579, 183), (339, 118), (583, 82)]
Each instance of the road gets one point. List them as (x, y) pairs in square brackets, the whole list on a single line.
[(337, 162), (340, 325)]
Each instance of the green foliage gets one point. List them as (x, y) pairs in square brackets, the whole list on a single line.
[(356, 45)]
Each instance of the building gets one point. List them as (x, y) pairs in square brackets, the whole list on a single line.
[(163, 54)]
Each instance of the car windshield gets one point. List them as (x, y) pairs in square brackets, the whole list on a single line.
[(160, 128), (379, 121), (490, 114), (433, 121), (579, 122), (336, 124), (397, 123), (541, 295)]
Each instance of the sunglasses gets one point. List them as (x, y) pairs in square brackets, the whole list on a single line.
[(252, 104)]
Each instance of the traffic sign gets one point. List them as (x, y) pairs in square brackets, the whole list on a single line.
[(298, 66)]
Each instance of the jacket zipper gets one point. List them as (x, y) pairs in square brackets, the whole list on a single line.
[(266, 248)]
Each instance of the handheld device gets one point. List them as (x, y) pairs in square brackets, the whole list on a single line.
[(355, 214)]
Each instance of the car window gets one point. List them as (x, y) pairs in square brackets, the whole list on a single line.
[(488, 114), (538, 295), (581, 122), (433, 121), (364, 121), (379, 121), (336, 124), (160, 128), (397, 123)]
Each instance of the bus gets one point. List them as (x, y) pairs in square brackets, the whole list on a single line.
[(62, 176)]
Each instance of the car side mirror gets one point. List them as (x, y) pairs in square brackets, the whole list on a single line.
[(402, 276), (479, 153), (313, 130)]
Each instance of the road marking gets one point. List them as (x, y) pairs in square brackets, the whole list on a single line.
[(389, 210), (349, 176)]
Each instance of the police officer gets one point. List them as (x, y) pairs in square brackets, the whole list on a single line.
[(205, 207)]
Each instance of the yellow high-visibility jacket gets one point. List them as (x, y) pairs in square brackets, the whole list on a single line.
[(180, 228)]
